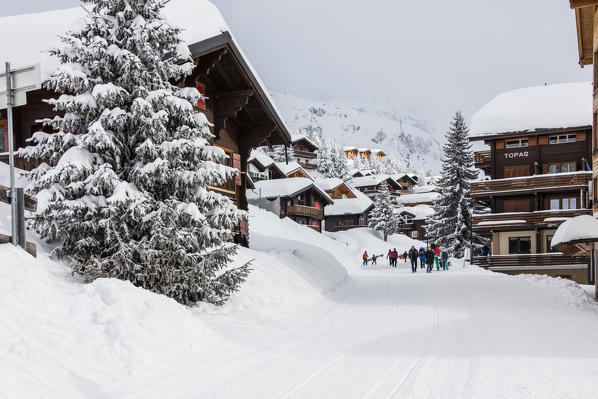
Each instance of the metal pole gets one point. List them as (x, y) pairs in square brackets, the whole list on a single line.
[(11, 155), (20, 200)]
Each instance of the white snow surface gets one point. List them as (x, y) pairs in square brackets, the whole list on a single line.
[(310, 322), (543, 107), (365, 181), (350, 206), (416, 198), (583, 227), (283, 188), (289, 167), (421, 212)]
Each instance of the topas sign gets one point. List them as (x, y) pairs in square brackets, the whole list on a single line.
[(522, 154)]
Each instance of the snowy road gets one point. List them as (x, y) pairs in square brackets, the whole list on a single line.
[(397, 335)]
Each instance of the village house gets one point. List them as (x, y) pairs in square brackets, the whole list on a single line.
[(292, 169), (405, 180), (413, 220), (350, 152), (298, 199), (540, 141), (379, 154), (237, 104), (305, 151), (370, 186), (350, 209), (364, 153)]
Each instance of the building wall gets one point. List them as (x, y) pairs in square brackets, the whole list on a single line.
[(500, 240), (579, 275)]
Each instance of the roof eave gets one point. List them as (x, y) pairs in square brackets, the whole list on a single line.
[(537, 132), (225, 39)]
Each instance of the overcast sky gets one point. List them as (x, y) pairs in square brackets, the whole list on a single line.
[(436, 56)]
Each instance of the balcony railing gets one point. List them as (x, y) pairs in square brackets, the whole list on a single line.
[(530, 183), (309, 211), (307, 165), (549, 218), (536, 261), (305, 154), (482, 157)]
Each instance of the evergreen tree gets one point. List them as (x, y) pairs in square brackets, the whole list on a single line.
[(128, 196), (383, 217), (326, 165), (277, 153), (341, 165), (450, 225)]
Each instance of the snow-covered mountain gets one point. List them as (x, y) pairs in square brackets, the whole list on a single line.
[(368, 124)]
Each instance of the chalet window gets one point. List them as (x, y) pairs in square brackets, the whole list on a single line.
[(414, 234), (549, 244), (565, 138), (562, 167), (520, 245), (408, 219), (516, 143), (563, 203)]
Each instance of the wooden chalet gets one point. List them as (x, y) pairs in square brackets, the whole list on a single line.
[(365, 153), (298, 199), (305, 152), (370, 186), (406, 181), (379, 154), (351, 152), (413, 221), (292, 169), (261, 167), (350, 209), (538, 177), (237, 103)]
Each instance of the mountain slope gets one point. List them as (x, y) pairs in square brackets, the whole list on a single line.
[(369, 124)]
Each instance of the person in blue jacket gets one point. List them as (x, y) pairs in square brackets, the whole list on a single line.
[(422, 257)]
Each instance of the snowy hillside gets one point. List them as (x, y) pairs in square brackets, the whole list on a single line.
[(370, 124)]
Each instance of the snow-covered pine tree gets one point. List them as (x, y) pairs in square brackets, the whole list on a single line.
[(128, 196), (450, 225), (341, 165), (326, 165), (277, 153), (383, 217)]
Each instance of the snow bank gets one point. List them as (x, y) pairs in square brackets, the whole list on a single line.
[(584, 227), (543, 107)]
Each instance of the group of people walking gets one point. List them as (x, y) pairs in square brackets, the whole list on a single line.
[(428, 257)]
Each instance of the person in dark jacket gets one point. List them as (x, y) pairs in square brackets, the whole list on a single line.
[(395, 257), (422, 257), (429, 260), (413, 255)]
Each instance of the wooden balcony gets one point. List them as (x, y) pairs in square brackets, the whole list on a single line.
[(482, 159), (530, 184), (305, 154), (309, 211), (531, 261), (306, 165), (525, 220)]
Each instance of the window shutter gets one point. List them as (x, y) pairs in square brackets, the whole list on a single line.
[(237, 165), (201, 103)]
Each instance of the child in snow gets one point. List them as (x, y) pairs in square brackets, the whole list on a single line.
[(437, 256), (374, 257), (405, 256), (365, 258), (422, 257), (389, 257)]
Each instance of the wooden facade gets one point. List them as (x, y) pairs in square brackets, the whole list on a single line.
[(305, 152), (411, 226), (237, 106), (336, 223), (537, 180), (306, 207)]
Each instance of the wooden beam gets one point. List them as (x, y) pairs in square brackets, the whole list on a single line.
[(30, 201), (31, 247), (582, 3)]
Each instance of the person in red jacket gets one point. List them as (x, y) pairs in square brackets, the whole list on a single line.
[(437, 257), (395, 257)]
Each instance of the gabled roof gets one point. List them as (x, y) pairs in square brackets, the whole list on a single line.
[(374, 180), (284, 188), (349, 148), (263, 160), (330, 183), (295, 138), (288, 168), (535, 109), (404, 175), (584, 20), (419, 212), (418, 197), (203, 29), (350, 206)]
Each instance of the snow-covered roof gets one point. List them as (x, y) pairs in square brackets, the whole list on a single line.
[(349, 148), (33, 34), (377, 151), (420, 212), (555, 106), (287, 168), (399, 176), (261, 157), (284, 188), (584, 227), (298, 137), (350, 206), (329, 183), (364, 150), (418, 197), (372, 180)]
